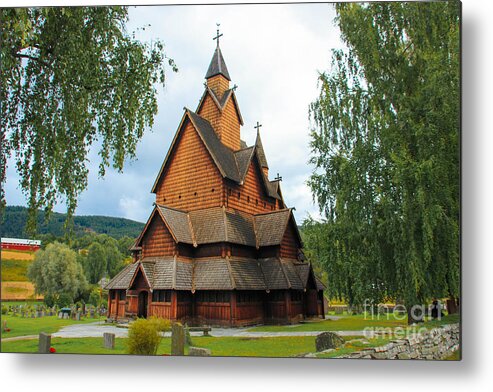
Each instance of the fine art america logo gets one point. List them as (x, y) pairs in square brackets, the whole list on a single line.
[(399, 312)]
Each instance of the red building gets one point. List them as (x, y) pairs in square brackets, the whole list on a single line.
[(220, 246), (20, 244)]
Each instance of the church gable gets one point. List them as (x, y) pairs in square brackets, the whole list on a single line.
[(291, 241), (251, 195), (190, 178), (156, 240), (224, 115)]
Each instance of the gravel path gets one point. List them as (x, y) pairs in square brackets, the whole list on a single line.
[(97, 330)]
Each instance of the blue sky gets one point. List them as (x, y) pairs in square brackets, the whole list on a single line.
[(273, 54)]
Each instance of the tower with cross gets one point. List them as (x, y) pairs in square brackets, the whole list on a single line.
[(219, 236)]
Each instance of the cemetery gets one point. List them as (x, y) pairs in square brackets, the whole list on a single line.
[(30, 329)]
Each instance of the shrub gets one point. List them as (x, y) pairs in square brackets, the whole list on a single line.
[(161, 324), (49, 300), (5, 309), (64, 300), (143, 337)]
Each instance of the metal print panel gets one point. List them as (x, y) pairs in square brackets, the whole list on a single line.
[(236, 180)]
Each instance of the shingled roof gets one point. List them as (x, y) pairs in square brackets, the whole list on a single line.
[(216, 274), (217, 66), (217, 224), (123, 278), (231, 164)]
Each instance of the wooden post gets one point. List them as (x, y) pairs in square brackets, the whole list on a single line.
[(233, 307), (174, 305), (287, 300)]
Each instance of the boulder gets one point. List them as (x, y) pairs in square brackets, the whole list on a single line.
[(328, 340)]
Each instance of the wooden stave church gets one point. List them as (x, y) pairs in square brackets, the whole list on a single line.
[(220, 246)]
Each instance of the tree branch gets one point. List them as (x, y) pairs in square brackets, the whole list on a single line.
[(27, 56)]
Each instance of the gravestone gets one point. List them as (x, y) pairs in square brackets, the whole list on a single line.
[(65, 316), (77, 316), (109, 340), (177, 339), (44, 343), (199, 352), (60, 315), (4, 326), (327, 340)]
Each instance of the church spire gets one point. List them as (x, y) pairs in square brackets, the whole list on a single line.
[(217, 65)]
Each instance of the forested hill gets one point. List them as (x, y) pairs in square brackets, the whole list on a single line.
[(14, 223)]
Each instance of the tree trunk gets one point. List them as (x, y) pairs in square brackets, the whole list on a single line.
[(452, 305), (415, 314)]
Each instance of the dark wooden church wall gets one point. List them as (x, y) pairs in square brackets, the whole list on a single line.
[(289, 243), (213, 305), (249, 307)]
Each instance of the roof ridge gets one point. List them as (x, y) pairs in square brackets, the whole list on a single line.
[(243, 149), (267, 289), (284, 272), (173, 276), (233, 281), (170, 208), (225, 219), (192, 233), (274, 212)]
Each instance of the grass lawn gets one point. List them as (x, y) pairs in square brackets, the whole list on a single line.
[(345, 323), (355, 346), (354, 323), (257, 347), (226, 346), (14, 270), (69, 346), (20, 326)]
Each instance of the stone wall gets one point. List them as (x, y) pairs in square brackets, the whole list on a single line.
[(433, 344)]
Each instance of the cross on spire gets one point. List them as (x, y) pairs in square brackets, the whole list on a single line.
[(278, 178), (257, 127), (217, 34)]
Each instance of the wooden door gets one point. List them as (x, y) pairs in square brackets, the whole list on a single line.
[(142, 309)]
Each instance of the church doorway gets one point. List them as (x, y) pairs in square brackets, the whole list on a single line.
[(142, 311)]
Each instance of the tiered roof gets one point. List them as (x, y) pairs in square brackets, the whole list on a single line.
[(217, 224), (218, 274)]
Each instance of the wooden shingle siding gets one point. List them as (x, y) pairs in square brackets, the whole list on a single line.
[(192, 180), (289, 244), (211, 113), (157, 241), (229, 125), (252, 195), (226, 122), (219, 84)]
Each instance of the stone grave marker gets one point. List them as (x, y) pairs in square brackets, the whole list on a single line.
[(199, 352), (44, 343), (177, 339), (109, 340), (327, 340)]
